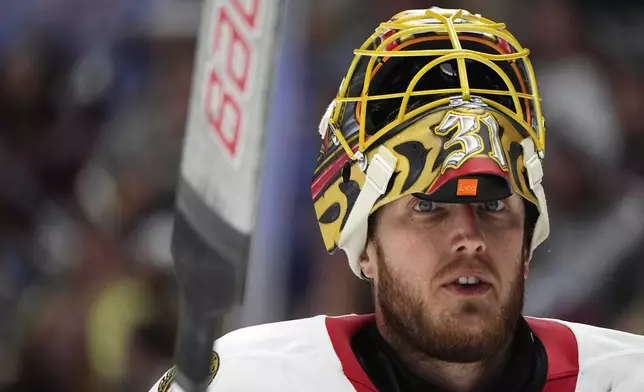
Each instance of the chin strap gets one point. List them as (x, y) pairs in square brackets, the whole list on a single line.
[(354, 233), (533, 166)]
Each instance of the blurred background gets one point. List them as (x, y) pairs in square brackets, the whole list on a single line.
[(93, 103)]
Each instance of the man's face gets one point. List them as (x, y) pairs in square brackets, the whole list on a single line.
[(419, 252)]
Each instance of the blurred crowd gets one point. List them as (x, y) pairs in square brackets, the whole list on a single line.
[(93, 103)]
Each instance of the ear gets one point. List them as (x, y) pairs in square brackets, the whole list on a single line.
[(526, 267), (368, 260)]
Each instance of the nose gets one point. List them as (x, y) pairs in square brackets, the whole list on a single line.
[(466, 236)]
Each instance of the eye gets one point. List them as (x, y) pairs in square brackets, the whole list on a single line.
[(425, 206), (494, 206)]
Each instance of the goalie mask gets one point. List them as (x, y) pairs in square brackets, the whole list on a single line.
[(437, 103)]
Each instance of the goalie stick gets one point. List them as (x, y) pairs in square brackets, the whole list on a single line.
[(217, 191)]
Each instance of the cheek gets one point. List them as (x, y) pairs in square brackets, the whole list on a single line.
[(508, 253), (503, 236), (506, 241), (410, 253)]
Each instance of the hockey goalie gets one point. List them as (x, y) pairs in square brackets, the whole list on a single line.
[(429, 178)]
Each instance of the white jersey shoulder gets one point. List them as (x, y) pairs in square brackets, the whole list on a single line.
[(286, 356), (609, 360), (299, 355)]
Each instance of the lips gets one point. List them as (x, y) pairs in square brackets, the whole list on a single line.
[(480, 276), (469, 289)]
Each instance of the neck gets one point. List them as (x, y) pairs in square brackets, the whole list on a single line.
[(459, 377)]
